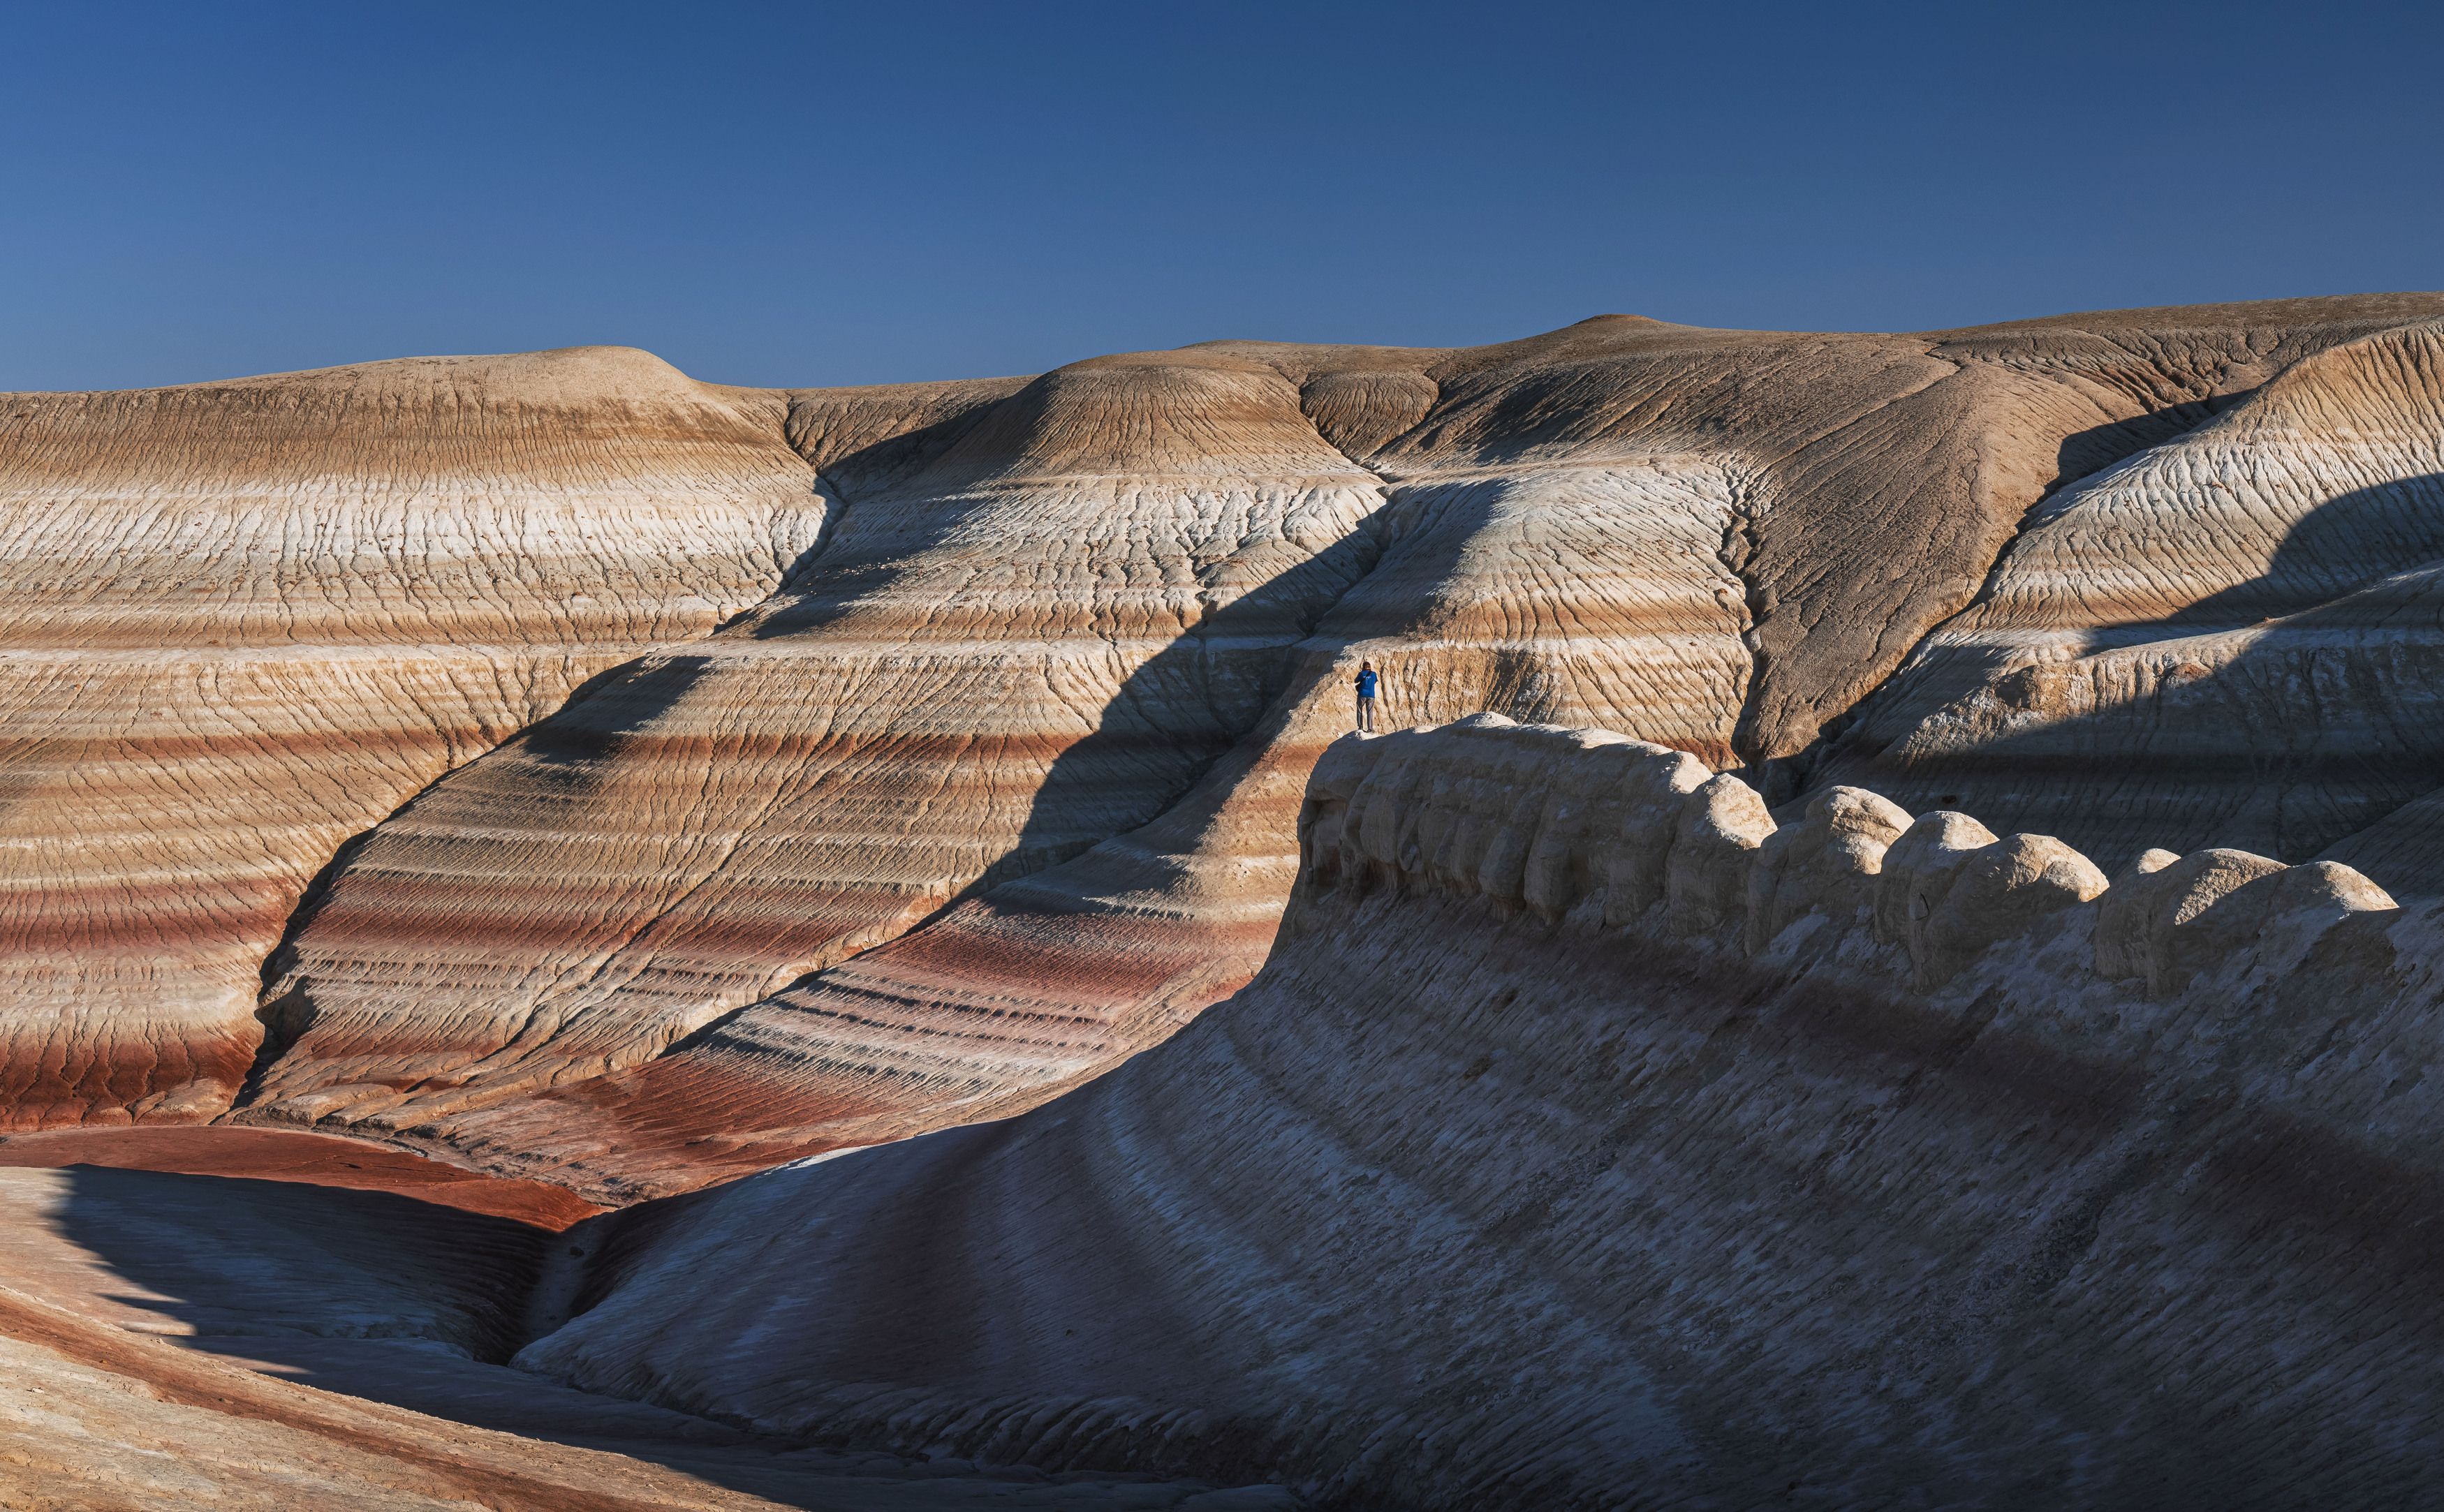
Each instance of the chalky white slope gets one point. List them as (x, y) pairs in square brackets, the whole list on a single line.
[(170, 1342), (998, 789)]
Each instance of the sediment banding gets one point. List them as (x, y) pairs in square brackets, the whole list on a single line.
[(248, 619), (1044, 706), (1042, 635)]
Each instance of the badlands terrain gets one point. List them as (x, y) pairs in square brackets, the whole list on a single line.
[(572, 937)]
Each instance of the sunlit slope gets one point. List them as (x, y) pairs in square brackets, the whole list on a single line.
[(1036, 636), (245, 620), (998, 789), (1712, 539)]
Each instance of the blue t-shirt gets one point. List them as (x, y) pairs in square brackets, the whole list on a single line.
[(1366, 685)]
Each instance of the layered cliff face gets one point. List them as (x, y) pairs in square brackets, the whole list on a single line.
[(998, 788), (245, 621), (1590, 1139)]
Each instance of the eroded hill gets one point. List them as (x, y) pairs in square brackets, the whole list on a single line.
[(604, 777), (1660, 1089)]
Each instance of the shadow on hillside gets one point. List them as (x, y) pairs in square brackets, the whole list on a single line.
[(1241, 672), (599, 715), (244, 1259), (1135, 752), (2085, 454), (2311, 733), (2080, 459), (395, 1300)]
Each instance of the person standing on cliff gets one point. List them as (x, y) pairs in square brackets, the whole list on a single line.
[(1366, 696)]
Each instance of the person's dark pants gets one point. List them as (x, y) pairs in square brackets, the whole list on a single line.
[(1366, 711)]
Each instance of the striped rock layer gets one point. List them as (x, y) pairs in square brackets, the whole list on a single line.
[(1592, 1140), (245, 621), (1042, 635), (1000, 787)]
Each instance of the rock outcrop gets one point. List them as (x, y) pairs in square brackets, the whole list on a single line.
[(1535, 1171)]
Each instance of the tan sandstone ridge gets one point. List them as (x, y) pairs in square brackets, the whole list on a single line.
[(995, 786), (1592, 1140)]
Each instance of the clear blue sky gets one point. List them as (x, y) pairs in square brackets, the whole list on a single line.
[(821, 194)]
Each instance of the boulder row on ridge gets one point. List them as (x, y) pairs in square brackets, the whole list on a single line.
[(2233, 637)]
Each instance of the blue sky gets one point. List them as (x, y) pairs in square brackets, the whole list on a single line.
[(819, 193)]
